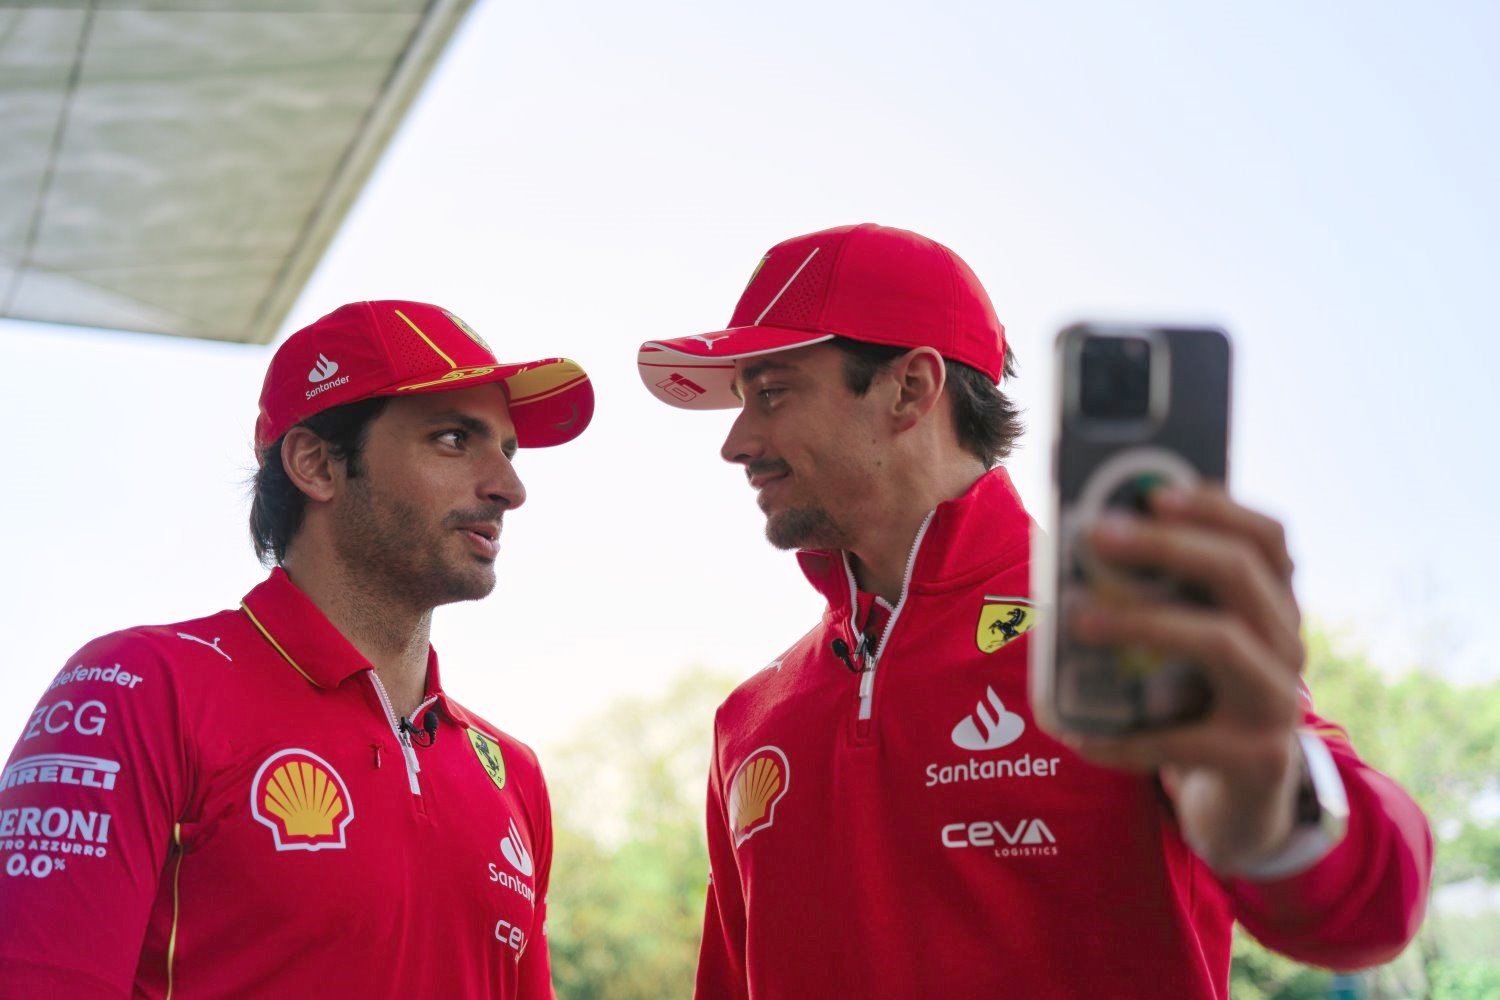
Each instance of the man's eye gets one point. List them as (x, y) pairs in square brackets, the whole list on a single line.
[(769, 393), (453, 438)]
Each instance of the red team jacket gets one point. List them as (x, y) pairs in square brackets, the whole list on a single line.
[(911, 832), (225, 807)]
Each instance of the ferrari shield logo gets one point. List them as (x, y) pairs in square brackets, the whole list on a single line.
[(488, 752), (1001, 620), (466, 328), (756, 273)]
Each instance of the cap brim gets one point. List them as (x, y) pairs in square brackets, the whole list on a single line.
[(696, 373), (551, 400)]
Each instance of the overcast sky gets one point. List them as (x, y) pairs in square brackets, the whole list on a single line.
[(577, 178)]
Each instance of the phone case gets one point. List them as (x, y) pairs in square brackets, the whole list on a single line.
[(1100, 464)]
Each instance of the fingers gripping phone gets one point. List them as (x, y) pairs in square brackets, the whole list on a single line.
[(1137, 408)]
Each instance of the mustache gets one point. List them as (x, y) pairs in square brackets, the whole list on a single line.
[(774, 466), (489, 512)]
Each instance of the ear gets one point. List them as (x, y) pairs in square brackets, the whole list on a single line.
[(309, 465), (920, 376)]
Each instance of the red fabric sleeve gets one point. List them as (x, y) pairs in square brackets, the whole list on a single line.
[(535, 981), (1361, 904), (721, 955), (88, 802)]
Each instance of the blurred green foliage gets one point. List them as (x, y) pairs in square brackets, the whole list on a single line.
[(1441, 742), (625, 909)]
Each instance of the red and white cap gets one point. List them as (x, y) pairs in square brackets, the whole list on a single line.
[(394, 348), (865, 282)]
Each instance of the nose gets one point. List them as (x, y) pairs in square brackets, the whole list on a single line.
[(501, 484), (743, 443)]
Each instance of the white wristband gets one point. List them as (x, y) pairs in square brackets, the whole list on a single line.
[(1322, 816)]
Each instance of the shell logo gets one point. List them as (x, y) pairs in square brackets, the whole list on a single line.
[(303, 800), (760, 783)]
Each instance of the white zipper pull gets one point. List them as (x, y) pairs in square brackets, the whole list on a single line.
[(867, 679), (412, 767)]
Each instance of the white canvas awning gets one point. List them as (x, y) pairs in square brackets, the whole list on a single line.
[(179, 166)]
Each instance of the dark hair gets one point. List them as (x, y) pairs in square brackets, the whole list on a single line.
[(987, 423), (278, 505)]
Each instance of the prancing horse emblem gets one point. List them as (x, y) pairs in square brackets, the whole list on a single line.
[(1010, 627), (490, 757), (1001, 620)]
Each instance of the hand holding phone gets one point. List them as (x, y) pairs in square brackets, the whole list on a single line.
[(1174, 646), (1139, 408)]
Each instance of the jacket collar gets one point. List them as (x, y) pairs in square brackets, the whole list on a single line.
[(307, 640), (966, 540)]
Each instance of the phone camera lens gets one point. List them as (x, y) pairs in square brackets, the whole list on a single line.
[(1115, 378)]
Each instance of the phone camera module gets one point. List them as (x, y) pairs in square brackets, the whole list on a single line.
[(1115, 378)]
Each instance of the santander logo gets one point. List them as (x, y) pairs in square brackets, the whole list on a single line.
[(988, 727), (515, 851), (323, 370), (323, 375)]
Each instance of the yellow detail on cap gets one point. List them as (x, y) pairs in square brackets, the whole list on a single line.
[(272, 640), (556, 390), (531, 385), (424, 336), (456, 375), (1001, 620)]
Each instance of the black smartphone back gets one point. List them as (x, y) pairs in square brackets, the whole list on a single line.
[(1137, 407)]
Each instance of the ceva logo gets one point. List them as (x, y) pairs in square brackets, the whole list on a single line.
[(985, 729), (982, 833), (323, 370)]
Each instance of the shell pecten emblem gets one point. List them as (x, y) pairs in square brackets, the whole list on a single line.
[(303, 801), (759, 784)]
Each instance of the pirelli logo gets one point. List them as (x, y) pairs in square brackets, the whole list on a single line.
[(60, 769)]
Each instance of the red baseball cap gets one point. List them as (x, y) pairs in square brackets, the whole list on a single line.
[(393, 348), (865, 282)]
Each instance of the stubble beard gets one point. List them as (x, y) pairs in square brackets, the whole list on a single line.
[(384, 542), (810, 527)]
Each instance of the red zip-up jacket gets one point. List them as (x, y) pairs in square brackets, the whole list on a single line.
[(911, 832), (228, 807)]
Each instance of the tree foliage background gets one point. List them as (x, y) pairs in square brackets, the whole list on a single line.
[(630, 861), (1441, 742), (630, 865)]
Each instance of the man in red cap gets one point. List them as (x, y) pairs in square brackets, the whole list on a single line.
[(886, 817), (281, 800)]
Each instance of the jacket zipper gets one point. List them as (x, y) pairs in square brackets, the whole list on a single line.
[(412, 767), (867, 676)]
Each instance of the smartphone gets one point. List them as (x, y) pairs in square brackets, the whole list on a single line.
[(1138, 407)]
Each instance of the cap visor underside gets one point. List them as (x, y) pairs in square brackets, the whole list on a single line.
[(551, 400), (697, 373)]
